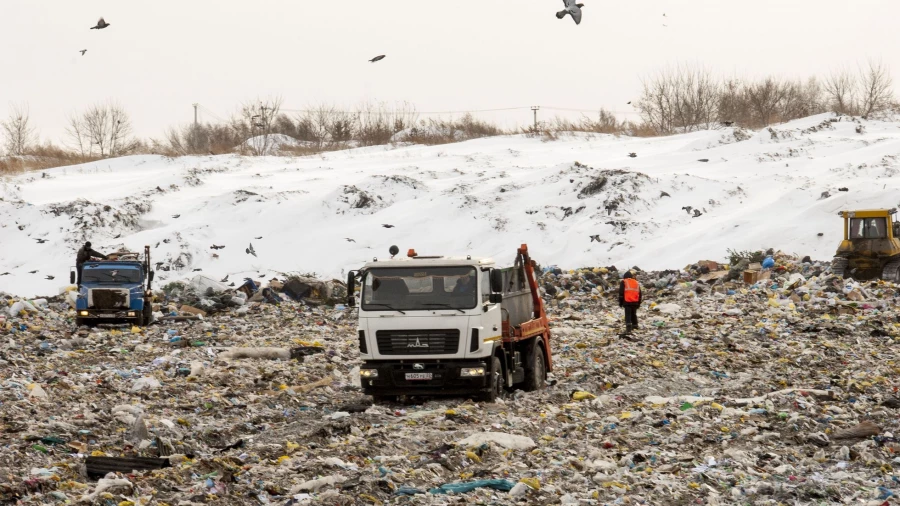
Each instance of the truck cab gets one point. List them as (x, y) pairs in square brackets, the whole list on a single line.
[(435, 325), (115, 290)]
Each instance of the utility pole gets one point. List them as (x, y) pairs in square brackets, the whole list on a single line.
[(195, 113), (535, 108)]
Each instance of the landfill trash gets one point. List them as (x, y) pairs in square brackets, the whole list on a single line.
[(775, 391)]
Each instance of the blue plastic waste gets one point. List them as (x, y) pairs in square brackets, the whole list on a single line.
[(884, 493), (460, 488), (768, 263), (408, 491)]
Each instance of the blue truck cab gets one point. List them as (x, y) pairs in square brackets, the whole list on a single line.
[(116, 289)]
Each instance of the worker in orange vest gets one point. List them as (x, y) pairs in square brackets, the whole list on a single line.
[(630, 298)]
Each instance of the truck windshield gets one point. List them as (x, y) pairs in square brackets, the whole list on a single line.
[(420, 288), (111, 276), (867, 228)]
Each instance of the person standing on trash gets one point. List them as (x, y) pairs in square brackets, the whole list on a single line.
[(83, 256), (630, 298)]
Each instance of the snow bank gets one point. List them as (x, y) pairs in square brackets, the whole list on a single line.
[(579, 201)]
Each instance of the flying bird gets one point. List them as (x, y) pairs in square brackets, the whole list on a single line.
[(629, 103), (32, 272), (50, 278), (197, 270), (258, 238), (572, 9), (176, 216), (100, 25), (632, 155), (349, 239), (595, 238), (41, 241), (251, 251), (377, 58), (83, 51), (387, 226), (5, 274), (216, 247)]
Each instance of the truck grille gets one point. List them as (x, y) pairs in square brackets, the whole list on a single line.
[(101, 298), (417, 342)]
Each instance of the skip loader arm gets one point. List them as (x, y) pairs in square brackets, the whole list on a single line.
[(540, 313)]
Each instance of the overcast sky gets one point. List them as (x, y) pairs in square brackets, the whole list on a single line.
[(159, 57)]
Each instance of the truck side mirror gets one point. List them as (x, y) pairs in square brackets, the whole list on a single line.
[(72, 277), (351, 289), (496, 280), (495, 298)]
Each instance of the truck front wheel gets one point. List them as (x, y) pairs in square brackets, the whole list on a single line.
[(536, 373), (496, 386)]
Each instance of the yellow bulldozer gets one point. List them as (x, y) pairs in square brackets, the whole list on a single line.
[(871, 246)]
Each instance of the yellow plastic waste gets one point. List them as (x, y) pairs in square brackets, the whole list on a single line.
[(291, 446), (717, 406), (580, 396), (282, 459), (473, 456), (625, 415), (532, 482)]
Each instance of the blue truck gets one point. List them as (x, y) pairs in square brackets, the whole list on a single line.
[(117, 289)]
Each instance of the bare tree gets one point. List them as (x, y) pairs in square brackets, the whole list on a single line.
[(766, 98), (261, 116), (682, 99), (876, 93), (105, 127), (78, 136), (18, 133), (840, 88)]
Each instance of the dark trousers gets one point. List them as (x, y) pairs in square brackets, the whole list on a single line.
[(79, 268), (631, 319)]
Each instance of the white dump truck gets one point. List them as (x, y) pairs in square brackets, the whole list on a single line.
[(461, 326)]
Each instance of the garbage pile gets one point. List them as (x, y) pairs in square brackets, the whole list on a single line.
[(770, 388)]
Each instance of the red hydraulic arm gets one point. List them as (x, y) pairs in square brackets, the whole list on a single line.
[(540, 314)]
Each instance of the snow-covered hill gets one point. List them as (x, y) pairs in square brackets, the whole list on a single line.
[(482, 197)]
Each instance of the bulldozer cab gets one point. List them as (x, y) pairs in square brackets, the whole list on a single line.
[(867, 225), (871, 245)]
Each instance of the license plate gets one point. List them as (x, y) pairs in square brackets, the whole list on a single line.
[(418, 375), (106, 315)]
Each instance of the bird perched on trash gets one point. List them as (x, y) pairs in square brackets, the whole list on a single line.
[(687, 209), (573, 9), (387, 226), (101, 24), (251, 251), (224, 280), (83, 51), (697, 213), (50, 278), (197, 270), (377, 58)]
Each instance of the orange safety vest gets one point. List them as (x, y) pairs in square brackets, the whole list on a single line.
[(632, 290)]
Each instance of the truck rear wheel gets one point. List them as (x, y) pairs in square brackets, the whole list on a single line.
[(495, 389), (536, 372)]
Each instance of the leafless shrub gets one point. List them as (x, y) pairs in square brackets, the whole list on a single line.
[(18, 134), (377, 123), (260, 116), (444, 131)]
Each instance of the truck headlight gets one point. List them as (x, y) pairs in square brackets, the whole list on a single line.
[(471, 371), (82, 313), (131, 313), (368, 373)]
